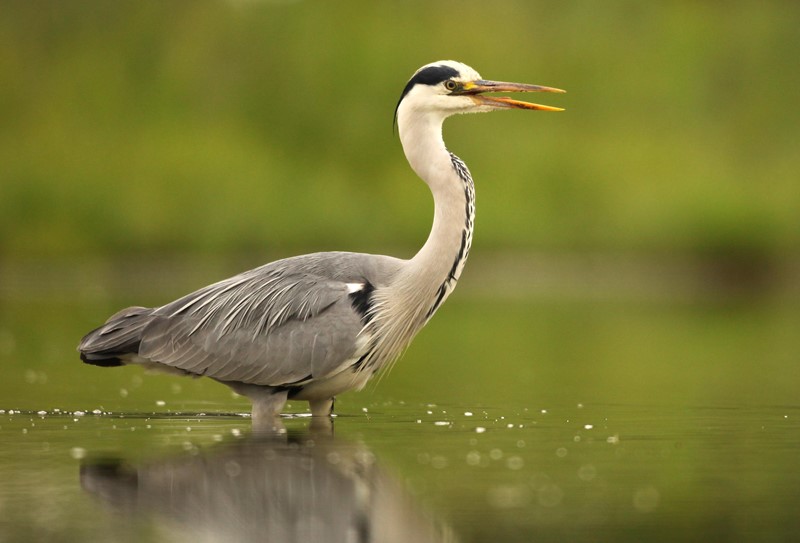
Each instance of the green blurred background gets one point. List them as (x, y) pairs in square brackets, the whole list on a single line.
[(196, 126), (648, 234)]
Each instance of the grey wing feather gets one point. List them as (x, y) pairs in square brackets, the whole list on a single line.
[(119, 336), (283, 323)]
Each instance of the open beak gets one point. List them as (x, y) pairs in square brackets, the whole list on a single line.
[(475, 90)]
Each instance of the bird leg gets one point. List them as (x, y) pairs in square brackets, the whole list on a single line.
[(266, 414), (267, 405), (321, 420), (321, 408)]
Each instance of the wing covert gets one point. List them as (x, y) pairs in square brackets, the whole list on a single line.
[(268, 326)]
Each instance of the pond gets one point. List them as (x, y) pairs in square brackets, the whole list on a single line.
[(527, 419)]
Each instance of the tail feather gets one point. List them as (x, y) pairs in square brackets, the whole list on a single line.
[(119, 337)]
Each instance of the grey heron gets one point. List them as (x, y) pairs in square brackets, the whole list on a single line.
[(313, 326)]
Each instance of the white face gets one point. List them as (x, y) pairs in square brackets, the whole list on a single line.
[(432, 89)]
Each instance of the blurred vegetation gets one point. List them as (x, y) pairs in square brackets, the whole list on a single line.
[(199, 126)]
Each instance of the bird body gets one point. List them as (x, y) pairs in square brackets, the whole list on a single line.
[(310, 327)]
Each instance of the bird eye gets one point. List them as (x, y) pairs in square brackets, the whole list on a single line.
[(450, 85)]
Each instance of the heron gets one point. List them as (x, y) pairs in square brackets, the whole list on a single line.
[(311, 327)]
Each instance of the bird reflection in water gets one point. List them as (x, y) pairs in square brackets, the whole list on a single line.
[(266, 488)]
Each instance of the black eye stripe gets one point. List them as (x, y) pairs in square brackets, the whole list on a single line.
[(432, 75)]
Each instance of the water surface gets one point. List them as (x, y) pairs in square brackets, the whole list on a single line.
[(509, 419), (401, 472)]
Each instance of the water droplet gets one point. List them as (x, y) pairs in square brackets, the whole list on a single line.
[(588, 426), (333, 457), (613, 439), (441, 423), (587, 472), (508, 496), (473, 458), (438, 462), (233, 469), (161, 403), (366, 458), (467, 413), (514, 462), (550, 495), (480, 430)]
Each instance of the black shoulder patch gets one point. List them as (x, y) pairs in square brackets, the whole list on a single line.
[(432, 75), (361, 300)]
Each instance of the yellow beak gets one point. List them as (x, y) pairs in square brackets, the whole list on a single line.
[(474, 89)]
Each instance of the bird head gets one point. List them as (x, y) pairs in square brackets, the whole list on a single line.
[(448, 87)]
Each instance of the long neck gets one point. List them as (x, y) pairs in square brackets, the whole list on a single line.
[(402, 307), (432, 273)]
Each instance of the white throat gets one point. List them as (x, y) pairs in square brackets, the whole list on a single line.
[(401, 309)]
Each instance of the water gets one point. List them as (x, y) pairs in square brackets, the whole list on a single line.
[(508, 420), (406, 473)]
